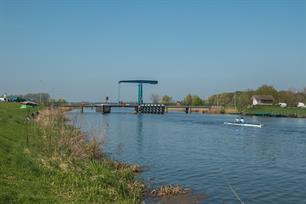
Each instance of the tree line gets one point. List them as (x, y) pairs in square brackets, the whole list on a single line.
[(240, 99), (41, 98)]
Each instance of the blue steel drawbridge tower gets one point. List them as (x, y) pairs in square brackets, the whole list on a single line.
[(140, 88)]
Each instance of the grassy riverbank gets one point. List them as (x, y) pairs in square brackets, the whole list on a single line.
[(46, 161), (276, 111)]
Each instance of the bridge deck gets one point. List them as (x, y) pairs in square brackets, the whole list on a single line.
[(117, 105)]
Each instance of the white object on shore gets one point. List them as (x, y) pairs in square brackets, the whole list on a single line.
[(244, 124), (301, 105)]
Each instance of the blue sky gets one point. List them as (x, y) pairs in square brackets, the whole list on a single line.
[(79, 50)]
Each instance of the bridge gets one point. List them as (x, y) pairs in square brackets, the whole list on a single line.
[(139, 107), (143, 108)]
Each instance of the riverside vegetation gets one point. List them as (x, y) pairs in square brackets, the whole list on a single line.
[(240, 102), (47, 161), (240, 99), (272, 110)]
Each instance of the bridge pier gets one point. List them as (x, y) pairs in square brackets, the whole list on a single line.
[(106, 109), (186, 110), (103, 109), (82, 108), (151, 108)]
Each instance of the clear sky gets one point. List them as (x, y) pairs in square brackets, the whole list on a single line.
[(79, 50)]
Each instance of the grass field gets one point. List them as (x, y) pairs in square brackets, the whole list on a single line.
[(276, 111), (46, 161)]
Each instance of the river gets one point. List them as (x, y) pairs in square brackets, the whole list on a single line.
[(260, 165)]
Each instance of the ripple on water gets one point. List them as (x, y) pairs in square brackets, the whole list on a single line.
[(263, 165)]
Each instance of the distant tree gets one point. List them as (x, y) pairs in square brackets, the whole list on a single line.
[(293, 90), (243, 99), (218, 99), (196, 101), (155, 98), (166, 99), (265, 90), (226, 99), (268, 90), (205, 102), (188, 100), (57, 102), (211, 100), (38, 97)]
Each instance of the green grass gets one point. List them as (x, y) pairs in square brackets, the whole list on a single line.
[(276, 111), (47, 171)]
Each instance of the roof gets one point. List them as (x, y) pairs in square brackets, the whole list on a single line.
[(263, 97)]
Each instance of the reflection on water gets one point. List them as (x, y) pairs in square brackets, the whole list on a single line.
[(263, 165), (139, 133)]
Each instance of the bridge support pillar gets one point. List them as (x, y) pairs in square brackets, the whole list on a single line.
[(151, 109), (106, 109), (82, 108), (137, 109), (103, 109), (187, 110)]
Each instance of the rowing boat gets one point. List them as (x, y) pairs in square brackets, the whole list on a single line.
[(244, 124)]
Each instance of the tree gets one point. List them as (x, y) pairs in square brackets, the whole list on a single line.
[(226, 99), (166, 99), (155, 98), (196, 101), (243, 99), (188, 100), (58, 102), (267, 90), (38, 97)]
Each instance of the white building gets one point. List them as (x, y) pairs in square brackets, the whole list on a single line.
[(262, 100), (3, 98)]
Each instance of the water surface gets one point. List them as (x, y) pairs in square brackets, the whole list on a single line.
[(262, 165)]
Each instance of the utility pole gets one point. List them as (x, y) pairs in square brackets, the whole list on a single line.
[(235, 101), (218, 100)]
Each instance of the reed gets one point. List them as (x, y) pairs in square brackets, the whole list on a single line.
[(169, 190), (46, 160)]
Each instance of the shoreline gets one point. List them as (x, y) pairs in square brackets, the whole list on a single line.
[(279, 112), (54, 162), (162, 193), (47, 160)]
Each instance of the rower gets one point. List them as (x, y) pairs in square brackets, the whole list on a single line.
[(241, 120)]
